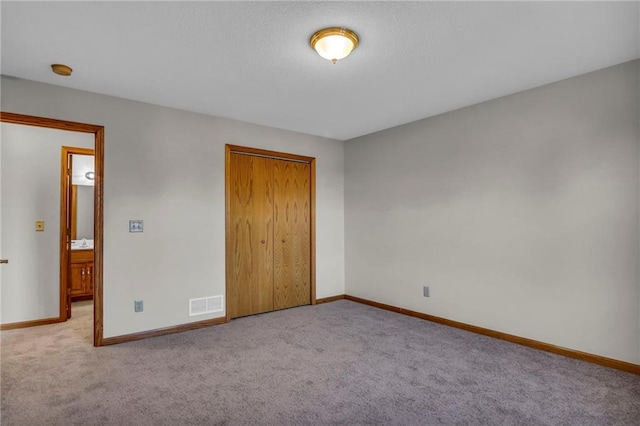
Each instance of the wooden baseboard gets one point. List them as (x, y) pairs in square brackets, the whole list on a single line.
[(32, 323), (162, 331), (547, 347), (330, 299)]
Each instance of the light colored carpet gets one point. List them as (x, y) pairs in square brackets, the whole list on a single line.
[(336, 363)]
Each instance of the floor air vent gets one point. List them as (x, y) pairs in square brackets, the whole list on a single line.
[(205, 305)]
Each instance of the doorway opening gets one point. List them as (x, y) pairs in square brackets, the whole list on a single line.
[(97, 267), (76, 224)]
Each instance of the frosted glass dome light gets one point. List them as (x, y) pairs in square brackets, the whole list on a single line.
[(334, 43)]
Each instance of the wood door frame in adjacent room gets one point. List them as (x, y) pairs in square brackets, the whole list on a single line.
[(67, 219), (235, 149), (98, 132)]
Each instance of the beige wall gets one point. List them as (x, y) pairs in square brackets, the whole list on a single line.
[(166, 167), (520, 213)]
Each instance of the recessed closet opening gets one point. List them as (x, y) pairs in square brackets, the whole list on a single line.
[(270, 224)]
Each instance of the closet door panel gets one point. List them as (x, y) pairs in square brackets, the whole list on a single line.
[(292, 234), (251, 205)]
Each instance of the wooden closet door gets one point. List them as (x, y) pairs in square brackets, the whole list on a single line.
[(292, 234), (251, 210)]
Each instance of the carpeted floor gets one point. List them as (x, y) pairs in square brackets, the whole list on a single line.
[(336, 363)]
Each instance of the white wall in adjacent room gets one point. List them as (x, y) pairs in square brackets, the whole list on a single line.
[(30, 168), (84, 212)]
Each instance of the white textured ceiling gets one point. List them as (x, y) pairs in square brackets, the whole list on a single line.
[(251, 60)]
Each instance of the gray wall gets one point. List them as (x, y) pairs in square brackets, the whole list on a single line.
[(166, 167), (520, 213), (30, 169)]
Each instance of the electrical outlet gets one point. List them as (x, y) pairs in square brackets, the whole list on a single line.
[(138, 306), (425, 291)]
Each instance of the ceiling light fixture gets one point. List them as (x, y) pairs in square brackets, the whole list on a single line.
[(61, 69), (334, 43), (90, 175)]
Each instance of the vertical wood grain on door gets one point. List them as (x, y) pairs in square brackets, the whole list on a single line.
[(251, 205), (292, 227)]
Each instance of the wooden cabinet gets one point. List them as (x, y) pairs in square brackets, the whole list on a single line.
[(270, 234), (81, 274)]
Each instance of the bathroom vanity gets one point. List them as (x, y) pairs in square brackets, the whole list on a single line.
[(81, 274)]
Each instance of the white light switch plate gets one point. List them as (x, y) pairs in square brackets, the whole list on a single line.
[(136, 225)]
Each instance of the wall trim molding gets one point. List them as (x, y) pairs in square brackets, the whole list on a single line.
[(535, 344), (330, 299), (162, 331), (31, 323)]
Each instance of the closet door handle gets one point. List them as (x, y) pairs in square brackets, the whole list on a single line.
[(4, 260), (283, 240), (262, 241)]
